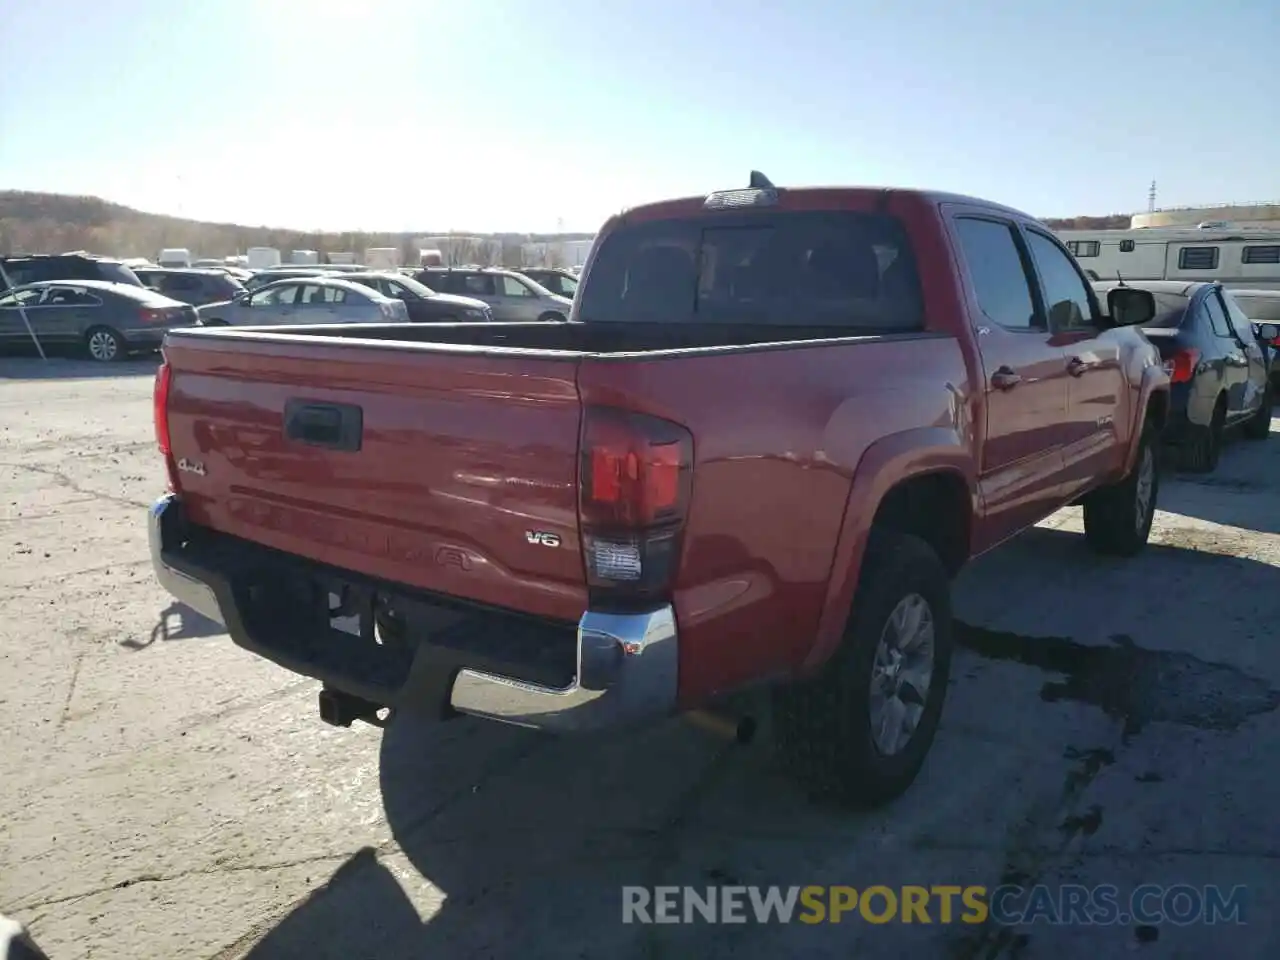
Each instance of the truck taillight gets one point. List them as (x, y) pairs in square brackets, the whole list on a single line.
[(1181, 366), (635, 480), (160, 409)]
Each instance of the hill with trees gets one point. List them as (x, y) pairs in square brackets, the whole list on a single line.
[(53, 223)]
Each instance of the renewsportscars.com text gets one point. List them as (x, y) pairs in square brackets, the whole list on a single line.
[(1149, 904)]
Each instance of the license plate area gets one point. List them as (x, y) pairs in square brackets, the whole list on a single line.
[(340, 627), (357, 632)]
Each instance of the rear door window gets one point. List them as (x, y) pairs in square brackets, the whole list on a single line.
[(179, 283), (1217, 315), (848, 270), (315, 294), (511, 287)]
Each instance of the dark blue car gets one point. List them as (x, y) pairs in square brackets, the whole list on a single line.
[(1218, 363)]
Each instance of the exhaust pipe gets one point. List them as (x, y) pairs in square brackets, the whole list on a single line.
[(739, 729)]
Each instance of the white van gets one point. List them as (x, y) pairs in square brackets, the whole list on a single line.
[(175, 257)]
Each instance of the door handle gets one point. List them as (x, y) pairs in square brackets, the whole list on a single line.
[(1005, 379), (1076, 367)]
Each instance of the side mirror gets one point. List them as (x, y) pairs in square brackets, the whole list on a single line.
[(1268, 331), (1129, 307)]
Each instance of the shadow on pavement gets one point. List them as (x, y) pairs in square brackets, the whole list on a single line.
[(177, 621), (73, 368), (362, 907), (529, 839), (1236, 494)]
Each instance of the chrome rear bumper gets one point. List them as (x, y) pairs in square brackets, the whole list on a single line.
[(627, 664)]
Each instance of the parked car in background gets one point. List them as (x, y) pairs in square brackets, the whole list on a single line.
[(174, 257), (22, 269), (305, 300), (560, 282), (1263, 307), (196, 287), (511, 296), (240, 273), (1218, 366), (271, 275), (108, 320), (781, 422), (424, 304)]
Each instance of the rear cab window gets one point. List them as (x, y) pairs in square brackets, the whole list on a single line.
[(851, 271)]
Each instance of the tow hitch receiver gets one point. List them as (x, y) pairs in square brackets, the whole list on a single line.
[(342, 709)]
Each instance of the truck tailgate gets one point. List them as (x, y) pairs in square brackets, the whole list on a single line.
[(452, 469)]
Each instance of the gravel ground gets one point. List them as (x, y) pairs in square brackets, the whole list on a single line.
[(166, 794)]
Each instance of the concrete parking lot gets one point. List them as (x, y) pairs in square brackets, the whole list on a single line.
[(165, 794)]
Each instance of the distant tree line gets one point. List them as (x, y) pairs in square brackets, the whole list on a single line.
[(55, 223), (1116, 221)]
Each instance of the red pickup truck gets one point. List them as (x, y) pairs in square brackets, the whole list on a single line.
[(776, 425)]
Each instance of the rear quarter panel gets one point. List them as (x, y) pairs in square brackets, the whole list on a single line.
[(779, 434)]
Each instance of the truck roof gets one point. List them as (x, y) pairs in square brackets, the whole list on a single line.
[(818, 198)]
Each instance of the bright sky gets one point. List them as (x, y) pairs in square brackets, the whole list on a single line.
[(505, 115)]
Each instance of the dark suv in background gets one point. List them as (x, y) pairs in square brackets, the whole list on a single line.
[(21, 269), (194, 286)]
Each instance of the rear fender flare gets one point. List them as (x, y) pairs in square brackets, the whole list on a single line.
[(887, 462)]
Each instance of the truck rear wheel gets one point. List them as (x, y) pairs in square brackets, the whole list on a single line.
[(858, 733), (1117, 518)]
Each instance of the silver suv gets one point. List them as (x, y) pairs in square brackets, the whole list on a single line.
[(511, 296)]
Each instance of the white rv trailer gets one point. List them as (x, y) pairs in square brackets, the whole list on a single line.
[(1235, 257)]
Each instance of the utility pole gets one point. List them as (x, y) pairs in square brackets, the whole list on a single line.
[(1151, 198)]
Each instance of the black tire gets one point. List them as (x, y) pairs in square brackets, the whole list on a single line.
[(104, 345), (1204, 448), (823, 728), (1117, 518), (1258, 427), (551, 317)]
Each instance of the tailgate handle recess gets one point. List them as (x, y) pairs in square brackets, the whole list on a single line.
[(338, 426)]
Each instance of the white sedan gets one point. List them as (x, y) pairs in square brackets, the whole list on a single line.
[(302, 300)]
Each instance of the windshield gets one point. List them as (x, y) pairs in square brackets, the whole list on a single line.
[(412, 285), (789, 269), (118, 273)]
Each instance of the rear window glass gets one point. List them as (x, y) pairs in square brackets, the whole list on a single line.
[(1170, 309), (117, 273), (851, 270)]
